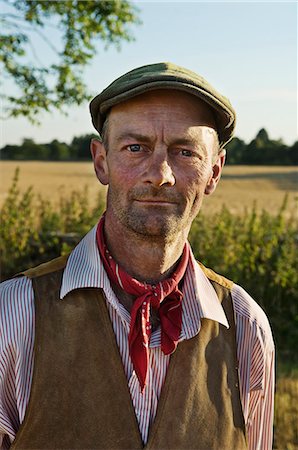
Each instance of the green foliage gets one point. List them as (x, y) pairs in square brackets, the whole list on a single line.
[(261, 150), (235, 151), (79, 149), (58, 151), (80, 24), (16, 229), (286, 413), (256, 250), (80, 146), (33, 230), (259, 252)]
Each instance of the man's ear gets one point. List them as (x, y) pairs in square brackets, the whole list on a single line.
[(216, 172), (99, 156)]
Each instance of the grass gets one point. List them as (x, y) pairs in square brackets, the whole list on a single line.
[(286, 410), (50, 179), (259, 248), (239, 188)]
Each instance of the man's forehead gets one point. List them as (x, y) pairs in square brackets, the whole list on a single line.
[(152, 118), (165, 104)]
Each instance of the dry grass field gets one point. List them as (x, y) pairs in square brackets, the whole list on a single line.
[(239, 188), (286, 413), (49, 179)]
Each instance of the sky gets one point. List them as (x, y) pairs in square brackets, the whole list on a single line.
[(246, 50)]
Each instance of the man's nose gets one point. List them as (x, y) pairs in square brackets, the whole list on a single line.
[(159, 171)]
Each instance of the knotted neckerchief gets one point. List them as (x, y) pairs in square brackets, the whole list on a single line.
[(165, 296)]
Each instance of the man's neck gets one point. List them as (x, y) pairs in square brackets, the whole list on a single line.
[(145, 258)]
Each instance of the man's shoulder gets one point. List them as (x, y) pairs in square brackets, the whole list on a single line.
[(16, 310), (18, 289), (45, 268), (250, 315), (14, 286)]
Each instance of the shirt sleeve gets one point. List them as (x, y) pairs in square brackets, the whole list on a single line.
[(16, 354), (256, 358), (261, 408)]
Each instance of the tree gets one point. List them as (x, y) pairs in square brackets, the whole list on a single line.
[(263, 150), (235, 151), (56, 85), (293, 154), (58, 151), (262, 138), (33, 151), (80, 146)]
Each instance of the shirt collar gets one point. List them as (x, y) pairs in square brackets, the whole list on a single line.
[(84, 269), (201, 300)]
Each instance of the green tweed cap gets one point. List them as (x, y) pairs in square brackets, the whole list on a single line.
[(164, 76)]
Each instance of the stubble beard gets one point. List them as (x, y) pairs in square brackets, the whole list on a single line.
[(153, 222)]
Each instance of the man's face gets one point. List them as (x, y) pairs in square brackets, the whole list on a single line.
[(159, 162)]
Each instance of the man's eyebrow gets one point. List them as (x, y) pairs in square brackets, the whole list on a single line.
[(185, 141), (145, 138), (132, 135)]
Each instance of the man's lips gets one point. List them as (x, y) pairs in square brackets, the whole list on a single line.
[(155, 201)]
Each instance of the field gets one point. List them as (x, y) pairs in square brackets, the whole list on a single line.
[(257, 250), (239, 188), (50, 179), (286, 412)]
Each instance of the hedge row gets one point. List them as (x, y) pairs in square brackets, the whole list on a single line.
[(256, 250)]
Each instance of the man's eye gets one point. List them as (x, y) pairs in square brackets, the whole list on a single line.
[(134, 148), (185, 152)]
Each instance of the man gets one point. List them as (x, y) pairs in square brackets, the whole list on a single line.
[(136, 345)]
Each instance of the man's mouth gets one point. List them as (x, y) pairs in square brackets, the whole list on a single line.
[(155, 201)]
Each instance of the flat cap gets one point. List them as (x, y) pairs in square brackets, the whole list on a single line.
[(164, 76)]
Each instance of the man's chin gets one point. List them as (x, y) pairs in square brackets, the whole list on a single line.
[(155, 226)]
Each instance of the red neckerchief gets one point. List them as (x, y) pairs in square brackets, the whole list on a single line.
[(165, 296)]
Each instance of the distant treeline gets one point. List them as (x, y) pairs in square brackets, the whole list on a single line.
[(261, 150)]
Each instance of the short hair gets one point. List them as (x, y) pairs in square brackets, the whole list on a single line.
[(104, 133), (217, 148)]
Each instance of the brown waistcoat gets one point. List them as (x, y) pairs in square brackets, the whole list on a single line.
[(80, 399)]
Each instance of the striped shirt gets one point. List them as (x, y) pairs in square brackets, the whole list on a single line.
[(255, 348)]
